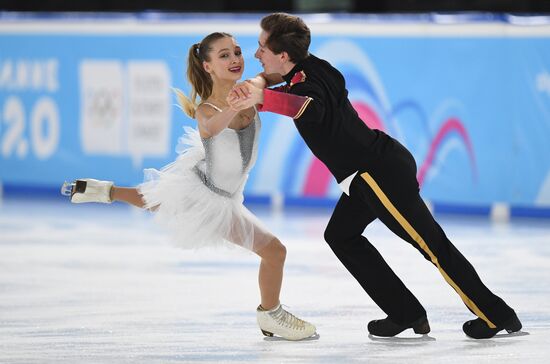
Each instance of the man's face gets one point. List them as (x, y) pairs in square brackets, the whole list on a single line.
[(271, 62)]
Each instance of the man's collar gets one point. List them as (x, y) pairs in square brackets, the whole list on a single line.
[(297, 68)]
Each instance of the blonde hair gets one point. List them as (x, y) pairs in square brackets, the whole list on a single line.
[(200, 80)]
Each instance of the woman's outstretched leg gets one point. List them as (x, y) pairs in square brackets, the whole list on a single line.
[(130, 195), (93, 190)]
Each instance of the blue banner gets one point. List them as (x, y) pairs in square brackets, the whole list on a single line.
[(474, 109)]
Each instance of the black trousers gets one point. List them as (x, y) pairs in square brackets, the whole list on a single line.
[(389, 191)]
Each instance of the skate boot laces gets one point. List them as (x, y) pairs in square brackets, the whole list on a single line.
[(286, 319)]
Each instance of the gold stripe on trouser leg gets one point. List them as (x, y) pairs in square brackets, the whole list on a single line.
[(418, 239)]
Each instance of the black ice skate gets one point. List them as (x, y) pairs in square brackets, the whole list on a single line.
[(478, 329), (88, 190), (388, 328)]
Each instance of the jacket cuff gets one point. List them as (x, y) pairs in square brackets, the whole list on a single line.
[(284, 103)]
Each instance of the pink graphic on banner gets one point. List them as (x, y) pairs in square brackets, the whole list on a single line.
[(318, 178), (448, 127), (368, 115)]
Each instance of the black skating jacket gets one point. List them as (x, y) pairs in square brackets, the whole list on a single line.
[(327, 121)]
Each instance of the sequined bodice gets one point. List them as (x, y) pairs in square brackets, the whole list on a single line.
[(229, 156)]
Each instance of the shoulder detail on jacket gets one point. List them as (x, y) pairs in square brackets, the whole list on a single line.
[(298, 77)]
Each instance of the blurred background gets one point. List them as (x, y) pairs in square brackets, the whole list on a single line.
[(361, 6), (85, 91)]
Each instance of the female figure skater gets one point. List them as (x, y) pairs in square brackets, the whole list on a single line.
[(199, 196)]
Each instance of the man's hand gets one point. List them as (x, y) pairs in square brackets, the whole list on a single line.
[(245, 95)]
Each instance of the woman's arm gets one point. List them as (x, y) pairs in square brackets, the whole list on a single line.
[(211, 121)]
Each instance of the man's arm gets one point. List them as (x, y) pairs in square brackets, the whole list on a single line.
[(283, 103), (272, 78), (294, 102)]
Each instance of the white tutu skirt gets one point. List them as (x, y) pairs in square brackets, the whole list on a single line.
[(195, 215)]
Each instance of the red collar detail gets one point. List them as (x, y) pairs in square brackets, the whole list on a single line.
[(297, 78)]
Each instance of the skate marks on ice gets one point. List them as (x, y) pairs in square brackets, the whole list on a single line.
[(83, 284)]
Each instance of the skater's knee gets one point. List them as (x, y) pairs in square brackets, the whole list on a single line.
[(274, 252), (279, 249)]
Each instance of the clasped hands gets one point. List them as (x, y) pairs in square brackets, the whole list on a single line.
[(245, 95)]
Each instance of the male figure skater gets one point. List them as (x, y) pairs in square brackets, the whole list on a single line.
[(378, 178)]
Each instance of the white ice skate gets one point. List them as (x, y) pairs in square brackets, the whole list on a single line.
[(88, 190), (280, 322)]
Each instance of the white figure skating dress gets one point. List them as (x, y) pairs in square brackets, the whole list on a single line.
[(199, 196)]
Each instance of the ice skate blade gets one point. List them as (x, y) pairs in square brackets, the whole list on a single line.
[(402, 339), (67, 188), (503, 335), (70, 188), (267, 333), (313, 337)]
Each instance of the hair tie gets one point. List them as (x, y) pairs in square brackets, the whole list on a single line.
[(196, 50)]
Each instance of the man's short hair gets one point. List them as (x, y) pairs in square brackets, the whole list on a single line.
[(287, 33)]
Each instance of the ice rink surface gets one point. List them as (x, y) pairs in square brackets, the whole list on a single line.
[(103, 284)]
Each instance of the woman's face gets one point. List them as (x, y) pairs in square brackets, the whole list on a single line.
[(226, 60)]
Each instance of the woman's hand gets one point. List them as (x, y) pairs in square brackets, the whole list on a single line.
[(245, 95), (239, 91)]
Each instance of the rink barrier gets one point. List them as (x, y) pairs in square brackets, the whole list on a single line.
[(496, 212)]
